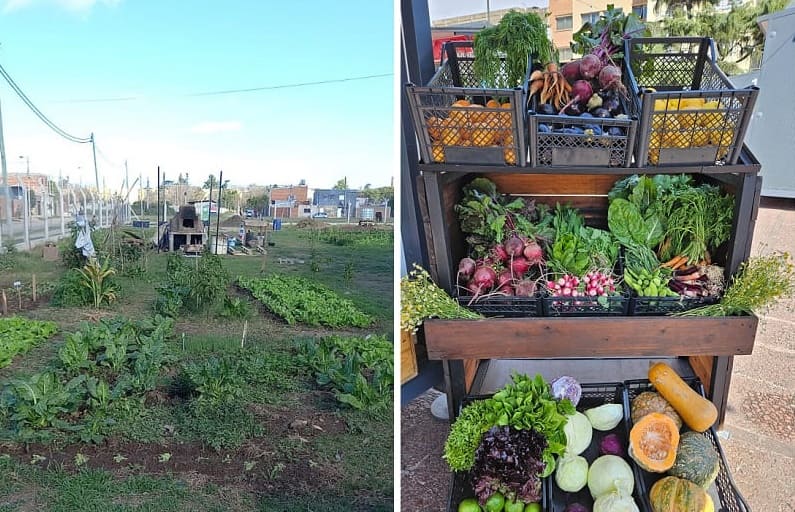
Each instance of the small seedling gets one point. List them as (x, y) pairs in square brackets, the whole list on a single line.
[(118, 458), (249, 465), (80, 459), (164, 457), (37, 458)]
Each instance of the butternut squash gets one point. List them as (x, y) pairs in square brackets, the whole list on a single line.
[(697, 412)]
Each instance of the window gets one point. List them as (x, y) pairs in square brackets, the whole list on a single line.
[(640, 11), (563, 23), (564, 54), (590, 17)]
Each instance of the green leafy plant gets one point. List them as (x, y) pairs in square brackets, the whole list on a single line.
[(235, 308), (296, 299), (18, 335), (97, 278), (191, 288), (421, 299), (216, 379), (358, 370)]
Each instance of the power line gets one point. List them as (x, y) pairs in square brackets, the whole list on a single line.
[(232, 91), (39, 114)]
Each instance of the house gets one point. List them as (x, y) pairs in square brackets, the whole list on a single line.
[(336, 203), (185, 228), (290, 201)]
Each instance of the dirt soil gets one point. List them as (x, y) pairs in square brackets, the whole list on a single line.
[(249, 468), (424, 475)]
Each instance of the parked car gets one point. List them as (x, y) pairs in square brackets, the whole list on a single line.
[(250, 213), (320, 215)]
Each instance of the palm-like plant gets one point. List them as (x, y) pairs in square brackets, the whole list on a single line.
[(96, 278)]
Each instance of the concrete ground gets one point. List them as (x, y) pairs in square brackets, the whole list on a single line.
[(758, 436)]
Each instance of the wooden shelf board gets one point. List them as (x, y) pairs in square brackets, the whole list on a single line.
[(560, 337)]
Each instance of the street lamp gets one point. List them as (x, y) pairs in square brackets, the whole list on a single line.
[(27, 159)]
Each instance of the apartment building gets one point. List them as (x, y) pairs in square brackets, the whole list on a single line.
[(566, 17)]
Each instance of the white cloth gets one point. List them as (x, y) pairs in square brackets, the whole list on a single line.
[(83, 240)]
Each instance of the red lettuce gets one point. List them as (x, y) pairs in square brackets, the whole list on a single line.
[(510, 462)]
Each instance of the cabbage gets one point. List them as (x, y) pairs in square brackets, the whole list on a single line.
[(615, 502), (578, 433), (572, 473), (605, 417), (610, 473), (567, 387)]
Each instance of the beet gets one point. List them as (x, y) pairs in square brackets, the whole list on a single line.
[(499, 253), (525, 288), (590, 66), (484, 277), (573, 109), (504, 278), (519, 266), (571, 71), (609, 76), (581, 91), (601, 113), (473, 288), (514, 246), (533, 253), (466, 267)]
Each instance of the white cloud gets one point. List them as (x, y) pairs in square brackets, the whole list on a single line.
[(80, 6), (206, 127)]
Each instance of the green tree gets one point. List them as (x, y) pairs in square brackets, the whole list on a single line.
[(687, 7), (379, 195), (212, 181), (341, 184), (258, 202), (736, 33)]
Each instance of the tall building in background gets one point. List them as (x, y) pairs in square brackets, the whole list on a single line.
[(566, 17)]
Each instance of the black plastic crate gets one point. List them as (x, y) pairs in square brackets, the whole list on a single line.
[(616, 305), (504, 306), (660, 306), (724, 492), (468, 135), (710, 126), (596, 146), (594, 395), (461, 488)]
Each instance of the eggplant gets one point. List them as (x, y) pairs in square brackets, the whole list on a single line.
[(573, 110), (612, 105), (615, 131), (600, 112), (586, 114)]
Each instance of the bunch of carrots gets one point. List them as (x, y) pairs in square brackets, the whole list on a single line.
[(680, 262), (551, 84)]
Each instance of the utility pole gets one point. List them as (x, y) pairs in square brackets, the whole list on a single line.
[(10, 224), (94, 152)]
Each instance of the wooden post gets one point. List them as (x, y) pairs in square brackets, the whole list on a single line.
[(33, 285), (5, 303)]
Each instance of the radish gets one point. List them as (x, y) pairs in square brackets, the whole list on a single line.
[(514, 246), (526, 288), (590, 66), (533, 253), (473, 288), (519, 266), (499, 253)]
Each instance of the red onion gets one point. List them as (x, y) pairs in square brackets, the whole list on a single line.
[(571, 71)]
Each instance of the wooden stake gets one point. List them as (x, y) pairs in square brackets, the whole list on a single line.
[(5, 303), (33, 285), (245, 328)]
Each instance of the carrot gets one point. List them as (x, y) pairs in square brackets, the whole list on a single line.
[(673, 262), (689, 277), (536, 85), (680, 264), (536, 75)]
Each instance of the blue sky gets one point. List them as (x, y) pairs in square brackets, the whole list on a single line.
[(160, 52)]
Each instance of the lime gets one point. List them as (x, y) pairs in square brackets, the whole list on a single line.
[(469, 505), (513, 506), (533, 507), (495, 503)]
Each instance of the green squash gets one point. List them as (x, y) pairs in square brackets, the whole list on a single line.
[(672, 494), (696, 460)]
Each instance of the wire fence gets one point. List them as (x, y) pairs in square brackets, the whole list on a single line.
[(34, 211)]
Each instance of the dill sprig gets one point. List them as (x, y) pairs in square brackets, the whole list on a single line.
[(421, 299)]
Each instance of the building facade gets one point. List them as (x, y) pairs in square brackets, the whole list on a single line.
[(336, 203)]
